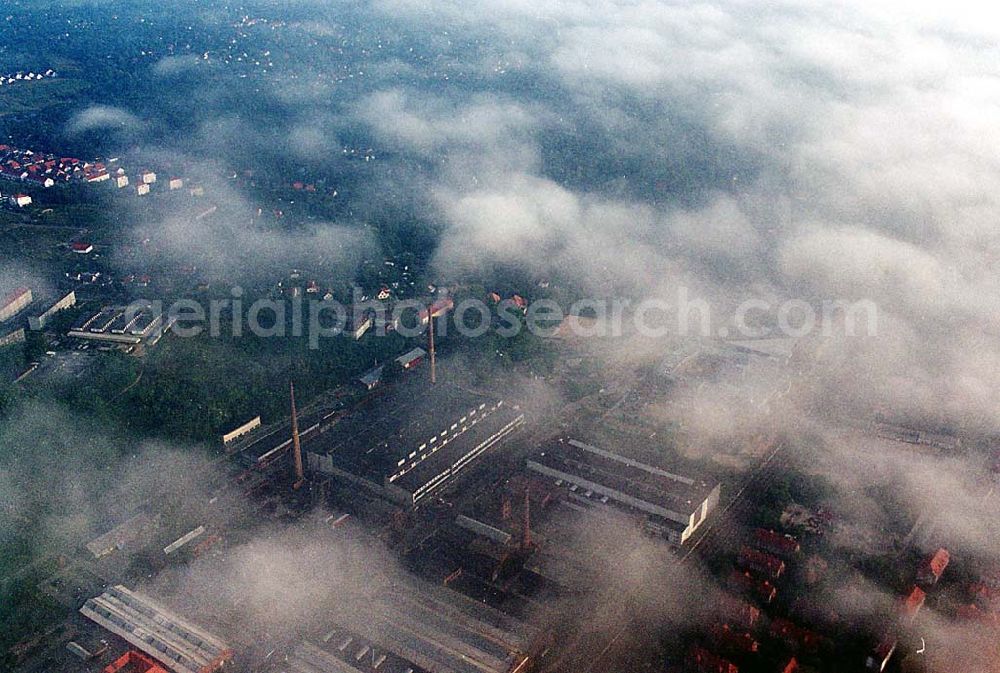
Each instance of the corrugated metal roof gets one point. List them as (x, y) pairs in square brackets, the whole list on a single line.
[(179, 645)]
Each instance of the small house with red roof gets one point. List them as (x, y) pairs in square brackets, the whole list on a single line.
[(912, 603), (703, 661), (933, 566), (761, 562)]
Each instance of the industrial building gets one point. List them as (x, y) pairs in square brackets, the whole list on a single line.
[(38, 320), (419, 628), (149, 627), (11, 334), (413, 441), (14, 303), (676, 505), (120, 325), (133, 662), (134, 533)]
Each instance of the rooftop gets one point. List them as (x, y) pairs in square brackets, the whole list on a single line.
[(419, 628), (181, 646), (13, 296), (653, 484), (415, 434), (373, 440)]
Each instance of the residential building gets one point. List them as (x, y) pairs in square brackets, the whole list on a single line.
[(761, 562), (912, 603), (701, 660), (775, 543), (878, 659), (794, 635), (747, 584), (411, 358), (734, 640), (933, 566)]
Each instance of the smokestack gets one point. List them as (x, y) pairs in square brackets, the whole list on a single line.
[(300, 477), (430, 324)]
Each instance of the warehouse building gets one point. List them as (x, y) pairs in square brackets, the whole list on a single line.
[(119, 325), (42, 316), (14, 303), (419, 628), (414, 441), (11, 334), (676, 505), (149, 627)]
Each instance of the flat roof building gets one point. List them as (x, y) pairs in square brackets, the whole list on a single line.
[(123, 324), (11, 334), (414, 441), (678, 502), (419, 628), (149, 627), (15, 302), (37, 322)]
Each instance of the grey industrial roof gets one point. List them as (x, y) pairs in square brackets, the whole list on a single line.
[(644, 482), (421, 627), (370, 442), (178, 644)]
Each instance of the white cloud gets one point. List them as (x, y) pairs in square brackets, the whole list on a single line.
[(103, 118)]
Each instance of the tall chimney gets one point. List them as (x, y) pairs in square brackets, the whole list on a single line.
[(430, 324), (300, 477)]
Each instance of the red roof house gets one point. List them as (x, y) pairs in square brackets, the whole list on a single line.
[(776, 543), (746, 583), (703, 661), (912, 603), (932, 567), (739, 612), (735, 640), (791, 666), (761, 562), (795, 635)]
